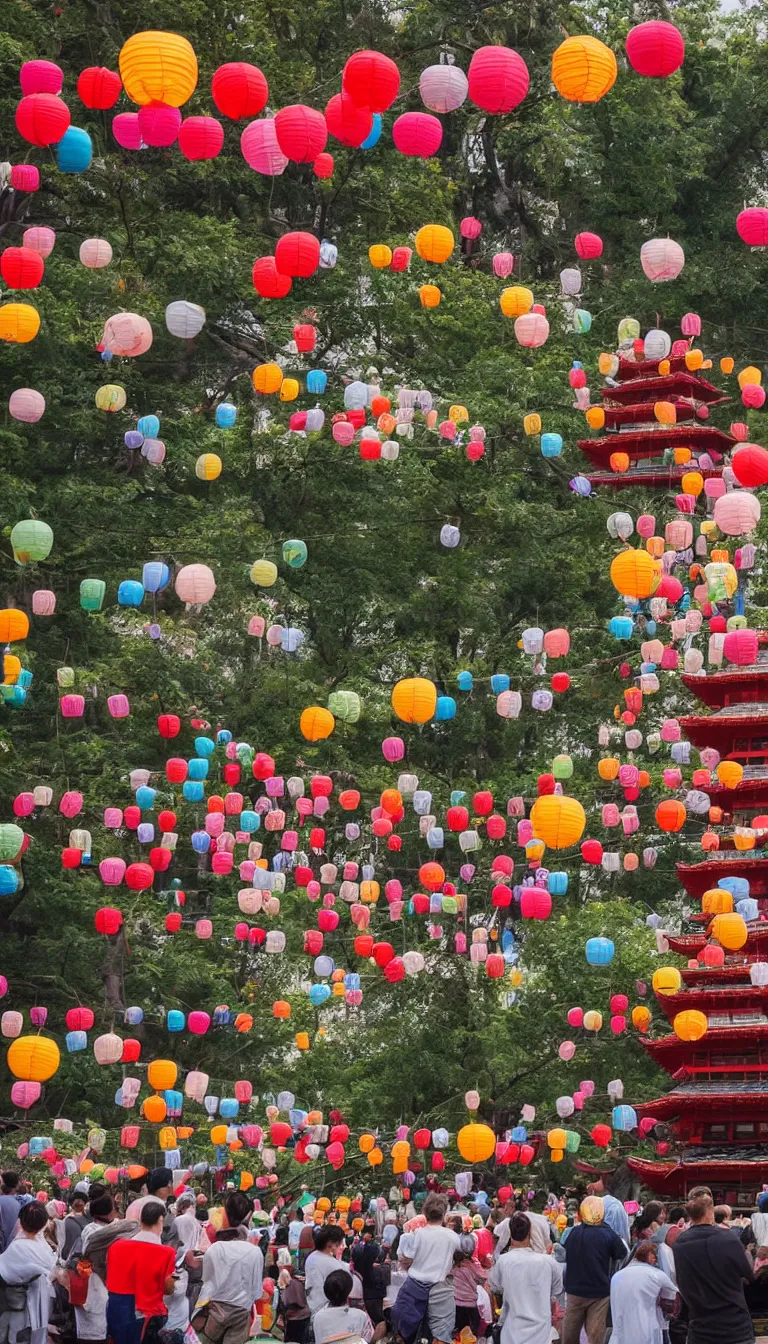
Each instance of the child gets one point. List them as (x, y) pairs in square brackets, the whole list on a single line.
[(293, 1313), (338, 1318), (466, 1276)]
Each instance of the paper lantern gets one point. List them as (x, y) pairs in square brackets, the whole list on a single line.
[(655, 49), (634, 574), (195, 584), (671, 815), (42, 119), (730, 930), (662, 259), (108, 1049), (750, 465), (417, 134), (531, 330), (297, 254), (476, 1143), (736, 513), (158, 67), (25, 177), (558, 821), (301, 132), (99, 88), (239, 90), (41, 77), (184, 319), (316, 723), (443, 88), (33, 1058), (583, 69), (19, 323), (588, 246), (200, 138), (74, 151), (21, 267), (322, 167), (371, 79), (690, 1025), (125, 129), (414, 700), (261, 150), (95, 253), (752, 228), (498, 79), (162, 1074), (434, 242), (347, 122)]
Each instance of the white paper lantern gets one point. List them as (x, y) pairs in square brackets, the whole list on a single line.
[(443, 88), (184, 319), (570, 280), (95, 253), (662, 259), (657, 344)]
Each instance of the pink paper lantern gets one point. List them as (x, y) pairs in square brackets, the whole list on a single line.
[(417, 134), (112, 870), (23, 804), (25, 177), (126, 130), (503, 264), (25, 1095), (118, 706), (159, 124), (260, 149), (566, 1050), (470, 227), (40, 239)]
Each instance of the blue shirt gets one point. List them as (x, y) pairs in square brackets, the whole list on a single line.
[(589, 1250), (615, 1216)]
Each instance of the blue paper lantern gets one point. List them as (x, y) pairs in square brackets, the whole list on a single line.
[(499, 682), (201, 842), (317, 381), (599, 951), (133, 1016), (155, 576), (374, 134), (193, 791), (650, 627), (318, 994), (249, 821), (176, 1020), (223, 736), (25, 679), (74, 151), (624, 1118), (145, 797), (229, 1107), (76, 1040), (130, 593), (9, 880), (457, 795), (621, 627), (291, 640), (520, 1134), (174, 1101), (581, 485), (205, 746), (551, 445), (465, 681), (352, 980), (738, 887), (435, 837), (149, 426), (557, 884), (226, 415), (445, 708), (198, 768), (748, 908)]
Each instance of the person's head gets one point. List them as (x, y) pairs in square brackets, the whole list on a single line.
[(676, 1214), (152, 1216), (185, 1203), (700, 1207), (77, 1202), (338, 1286), (33, 1218), (298, 1216), (645, 1254), (596, 1188), (592, 1210), (281, 1235), (466, 1248), (329, 1238), (10, 1180), (238, 1209), (653, 1212), (761, 1258), (454, 1222), (160, 1182), (722, 1214), (96, 1190), (435, 1208), (762, 1200), (102, 1210), (520, 1229), (369, 1231)]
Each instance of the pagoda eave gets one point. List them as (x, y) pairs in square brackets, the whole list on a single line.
[(700, 877), (690, 944), (652, 443), (733, 997), (665, 477), (722, 729), (750, 795), (632, 369), (673, 1054), (663, 387), (677, 1178), (704, 1106), (717, 688)]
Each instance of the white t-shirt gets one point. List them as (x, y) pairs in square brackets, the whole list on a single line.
[(233, 1272), (634, 1313), (528, 1281), (319, 1265), (332, 1321), (295, 1229), (389, 1233), (432, 1254), (540, 1238)]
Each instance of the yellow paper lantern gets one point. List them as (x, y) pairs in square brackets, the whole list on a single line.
[(726, 364), (608, 767), (717, 901), (218, 1135), (155, 1110), (730, 773), (158, 67), (264, 573), (730, 931), (246, 1180), (380, 256), (19, 323), (208, 467), (369, 894), (167, 1138), (162, 1074), (267, 378), (515, 300), (34, 1059), (583, 69), (558, 821), (434, 243), (693, 360), (641, 1018), (744, 839), (666, 980), (593, 1020), (556, 1138), (690, 1025), (655, 547), (635, 574), (750, 376), (110, 397), (401, 1149), (414, 700), (375, 1157), (476, 1143), (681, 456), (289, 389), (366, 1143), (532, 423), (557, 1154), (595, 417), (607, 364), (458, 414), (665, 412), (316, 723), (430, 296), (720, 555), (302, 1040)]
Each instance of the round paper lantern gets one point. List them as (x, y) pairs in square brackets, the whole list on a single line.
[(33, 1058), (98, 87), (417, 134), (125, 128), (185, 320), (655, 49), (740, 647), (737, 513), (752, 226), (239, 90), (323, 166), (42, 119), (74, 151), (690, 1025), (127, 334), (443, 88), (414, 700), (634, 574), (158, 67), (476, 1143), (498, 79), (434, 242), (261, 150), (41, 77), (297, 254), (108, 1049), (662, 259), (200, 138), (730, 930), (750, 465), (110, 397), (19, 323), (26, 405), (558, 821), (267, 280), (588, 246), (40, 239), (95, 253), (514, 301), (583, 69), (25, 177), (316, 723), (671, 815), (371, 79), (531, 330), (347, 122), (301, 132), (195, 584)]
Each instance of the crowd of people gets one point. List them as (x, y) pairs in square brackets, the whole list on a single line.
[(172, 1270)]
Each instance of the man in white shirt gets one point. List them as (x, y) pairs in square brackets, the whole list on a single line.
[(636, 1294), (541, 1241), (322, 1262), (528, 1282), (233, 1274), (430, 1262), (339, 1318), (294, 1230)]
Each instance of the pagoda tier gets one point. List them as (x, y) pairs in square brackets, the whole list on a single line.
[(735, 686), (733, 973), (700, 877), (738, 732), (648, 476), (631, 369), (719, 998), (643, 443), (690, 944), (731, 1180), (710, 1112), (749, 795), (663, 387), (722, 1051)]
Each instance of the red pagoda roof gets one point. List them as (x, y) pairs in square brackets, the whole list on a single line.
[(734, 972), (749, 795), (652, 442), (632, 369), (726, 725), (675, 1055), (737, 685), (716, 998), (700, 877), (708, 1099), (661, 477), (677, 1178), (690, 944), (663, 387)]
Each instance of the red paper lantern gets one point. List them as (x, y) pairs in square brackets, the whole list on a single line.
[(438, 1162), (139, 876), (671, 815), (494, 965), (313, 942), (560, 681), (304, 335), (482, 803), (160, 859), (347, 121), (327, 920), (169, 725), (297, 254), (420, 903), (21, 267), (457, 818), (592, 851), (239, 90), (496, 828), (545, 784), (79, 1019), (382, 953), (371, 79), (752, 226), (370, 451), (71, 857), (176, 770), (301, 133), (25, 177), (394, 970), (131, 1051), (42, 119), (108, 920), (527, 1154), (98, 87), (200, 138), (501, 896), (498, 79), (363, 945), (231, 772), (750, 465), (588, 246), (321, 786), (323, 166), (535, 903), (166, 820), (417, 134), (601, 1135), (317, 838), (655, 49), (268, 281)]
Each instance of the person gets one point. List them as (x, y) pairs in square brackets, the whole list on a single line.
[(673, 1227), (306, 1244), (320, 1263), (26, 1265), (759, 1220), (233, 1277), (294, 1230), (636, 1296), (390, 1231), (589, 1250), (528, 1282), (87, 1278), (466, 1276), (615, 1215), (293, 1316), (192, 1241), (139, 1275), (723, 1215), (75, 1222), (366, 1258), (339, 1318), (712, 1269), (429, 1264), (159, 1187), (9, 1207), (541, 1240)]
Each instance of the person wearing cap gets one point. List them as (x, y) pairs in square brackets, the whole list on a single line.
[(589, 1250)]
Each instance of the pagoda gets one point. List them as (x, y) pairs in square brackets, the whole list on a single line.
[(716, 1115), (635, 386)]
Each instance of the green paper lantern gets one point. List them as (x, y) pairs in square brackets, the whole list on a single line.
[(31, 540), (92, 594), (11, 840), (345, 705)]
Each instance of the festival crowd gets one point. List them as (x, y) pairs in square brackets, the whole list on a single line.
[(169, 1269)]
